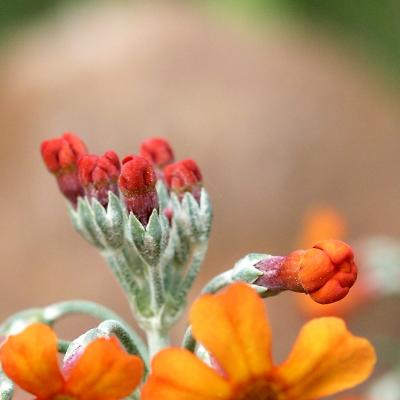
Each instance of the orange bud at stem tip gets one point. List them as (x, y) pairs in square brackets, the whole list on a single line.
[(326, 272)]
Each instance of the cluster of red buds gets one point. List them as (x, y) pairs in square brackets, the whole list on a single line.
[(80, 174)]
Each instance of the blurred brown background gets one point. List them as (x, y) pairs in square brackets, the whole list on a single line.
[(279, 116)]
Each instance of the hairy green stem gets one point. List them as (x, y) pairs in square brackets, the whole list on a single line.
[(157, 339), (119, 330), (57, 311)]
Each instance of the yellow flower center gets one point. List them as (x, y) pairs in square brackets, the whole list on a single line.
[(258, 390)]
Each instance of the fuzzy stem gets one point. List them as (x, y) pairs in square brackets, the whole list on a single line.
[(120, 331), (156, 286), (157, 339), (218, 282), (57, 311), (198, 255)]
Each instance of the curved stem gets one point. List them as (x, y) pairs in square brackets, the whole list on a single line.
[(119, 330), (218, 282), (57, 311)]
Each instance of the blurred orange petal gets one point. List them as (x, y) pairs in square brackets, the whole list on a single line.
[(30, 359), (320, 224)]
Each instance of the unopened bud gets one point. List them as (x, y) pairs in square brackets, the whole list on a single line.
[(99, 175), (184, 176), (157, 151), (326, 272), (137, 183), (61, 157)]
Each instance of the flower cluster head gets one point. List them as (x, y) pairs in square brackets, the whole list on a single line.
[(231, 326), (102, 371), (81, 174), (99, 175), (326, 272), (61, 156), (184, 176), (137, 183)]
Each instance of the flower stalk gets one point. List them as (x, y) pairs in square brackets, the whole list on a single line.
[(150, 218)]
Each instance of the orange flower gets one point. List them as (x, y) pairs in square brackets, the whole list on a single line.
[(322, 224), (326, 272), (104, 371), (325, 359)]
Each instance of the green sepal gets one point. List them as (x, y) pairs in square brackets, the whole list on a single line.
[(193, 218), (244, 269), (163, 196), (112, 221), (151, 240), (100, 227)]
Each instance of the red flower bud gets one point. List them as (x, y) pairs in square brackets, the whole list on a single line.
[(184, 176), (158, 151), (99, 175), (61, 157), (137, 183), (326, 272)]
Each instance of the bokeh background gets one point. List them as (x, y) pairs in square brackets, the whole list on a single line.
[(285, 105)]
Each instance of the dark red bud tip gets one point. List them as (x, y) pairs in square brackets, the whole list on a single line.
[(99, 175), (99, 170), (137, 176), (61, 155), (158, 151), (184, 176), (137, 183)]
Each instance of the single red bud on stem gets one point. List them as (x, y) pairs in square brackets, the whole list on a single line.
[(61, 156), (184, 176), (137, 183), (157, 151), (326, 272), (99, 175)]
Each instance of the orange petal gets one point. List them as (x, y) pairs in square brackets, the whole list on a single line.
[(104, 372), (177, 374), (326, 359), (30, 359), (233, 328)]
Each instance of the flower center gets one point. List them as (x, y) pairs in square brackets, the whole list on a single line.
[(257, 390), (64, 397)]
